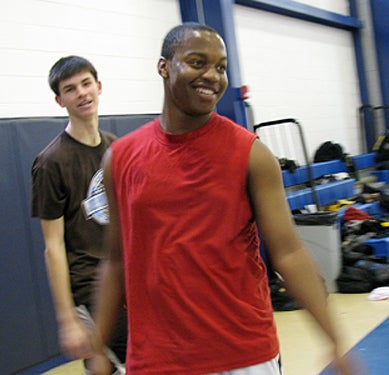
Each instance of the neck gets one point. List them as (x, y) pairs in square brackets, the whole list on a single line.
[(86, 132), (180, 123)]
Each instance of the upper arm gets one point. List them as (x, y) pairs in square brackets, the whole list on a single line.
[(53, 232), (49, 191), (269, 202), (113, 230)]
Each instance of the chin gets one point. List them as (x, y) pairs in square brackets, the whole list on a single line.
[(199, 114), (201, 111)]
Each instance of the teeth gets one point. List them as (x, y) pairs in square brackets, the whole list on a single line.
[(205, 91), (85, 103)]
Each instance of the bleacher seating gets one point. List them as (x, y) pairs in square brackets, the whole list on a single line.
[(300, 194)]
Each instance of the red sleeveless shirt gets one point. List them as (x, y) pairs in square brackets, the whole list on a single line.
[(196, 288)]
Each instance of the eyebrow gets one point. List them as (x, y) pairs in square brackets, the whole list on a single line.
[(72, 85), (204, 55)]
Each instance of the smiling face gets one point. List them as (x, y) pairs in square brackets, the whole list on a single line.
[(195, 78), (79, 94)]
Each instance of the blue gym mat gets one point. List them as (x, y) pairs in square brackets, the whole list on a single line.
[(372, 351)]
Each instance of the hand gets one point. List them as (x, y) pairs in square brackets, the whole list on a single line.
[(348, 365), (99, 364), (75, 340)]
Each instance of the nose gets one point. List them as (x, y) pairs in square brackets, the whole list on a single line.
[(211, 74), (81, 90)]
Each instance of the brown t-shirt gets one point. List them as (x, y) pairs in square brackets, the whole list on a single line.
[(61, 179)]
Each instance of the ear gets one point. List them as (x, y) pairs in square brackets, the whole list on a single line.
[(59, 101), (162, 68), (99, 86)]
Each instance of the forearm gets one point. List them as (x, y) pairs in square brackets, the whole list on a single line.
[(109, 301), (59, 280), (110, 293), (303, 281)]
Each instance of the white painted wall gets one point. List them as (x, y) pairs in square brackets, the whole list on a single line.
[(301, 70), (122, 39), (336, 6), (293, 68)]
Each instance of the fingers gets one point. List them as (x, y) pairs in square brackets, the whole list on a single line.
[(78, 350), (349, 365), (76, 343), (99, 364)]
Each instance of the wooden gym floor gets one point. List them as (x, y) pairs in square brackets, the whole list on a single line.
[(303, 347)]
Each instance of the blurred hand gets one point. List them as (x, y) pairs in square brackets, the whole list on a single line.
[(348, 365), (75, 340), (99, 364)]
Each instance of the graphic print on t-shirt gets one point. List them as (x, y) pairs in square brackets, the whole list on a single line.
[(95, 205)]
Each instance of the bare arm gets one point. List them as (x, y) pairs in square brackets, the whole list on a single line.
[(73, 336), (110, 293), (285, 248)]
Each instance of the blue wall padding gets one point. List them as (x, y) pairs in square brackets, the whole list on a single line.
[(27, 321)]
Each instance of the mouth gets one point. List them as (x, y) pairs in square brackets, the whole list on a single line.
[(206, 92), (85, 103)]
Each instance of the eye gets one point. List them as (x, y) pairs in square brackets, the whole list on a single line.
[(68, 89), (87, 83), (196, 63), (221, 68)]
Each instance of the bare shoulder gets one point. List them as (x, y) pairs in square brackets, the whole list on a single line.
[(262, 161)]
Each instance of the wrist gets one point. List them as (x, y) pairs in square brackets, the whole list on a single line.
[(67, 317), (97, 343)]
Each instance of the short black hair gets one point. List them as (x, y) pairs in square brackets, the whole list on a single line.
[(68, 66), (176, 35)]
